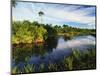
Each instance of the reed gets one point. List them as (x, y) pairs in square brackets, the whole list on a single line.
[(76, 61)]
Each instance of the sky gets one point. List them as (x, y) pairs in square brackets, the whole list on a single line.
[(81, 16)]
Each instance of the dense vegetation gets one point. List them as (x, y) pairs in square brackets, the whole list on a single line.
[(26, 32), (30, 32), (33, 38), (76, 61)]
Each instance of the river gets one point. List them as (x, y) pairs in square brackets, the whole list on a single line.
[(52, 52)]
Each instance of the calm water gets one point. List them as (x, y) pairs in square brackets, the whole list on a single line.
[(54, 50)]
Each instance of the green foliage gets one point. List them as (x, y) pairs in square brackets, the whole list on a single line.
[(76, 54), (52, 67), (41, 13), (68, 32), (42, 67), (29, 68), (51, 31), (27, 32), (76, 61), (69, 63), (14, 70), (80, 60)]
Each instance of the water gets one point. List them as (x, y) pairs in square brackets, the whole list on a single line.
[(53, 51)]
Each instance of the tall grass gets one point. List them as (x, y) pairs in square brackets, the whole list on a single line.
[(42, 67), (76, 61), (81, 60), (69, 63)]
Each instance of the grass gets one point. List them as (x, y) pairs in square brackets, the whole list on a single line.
[(68, 63), (76, 61)]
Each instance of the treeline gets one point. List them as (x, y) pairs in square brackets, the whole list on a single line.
[(30, 32), (73, 30), (68, 31)]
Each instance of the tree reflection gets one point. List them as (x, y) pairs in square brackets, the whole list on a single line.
[(51, 43), (23, 52)]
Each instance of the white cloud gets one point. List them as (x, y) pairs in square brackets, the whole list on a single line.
[(78, 16), (56, 13)]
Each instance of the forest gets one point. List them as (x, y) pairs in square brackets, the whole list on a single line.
[(34, 32)]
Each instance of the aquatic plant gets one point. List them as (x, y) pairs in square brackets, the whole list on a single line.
[(68, 63), (76, 54), (14, 70), (52, 67), (29, 68), (42, 67), (76, 61)]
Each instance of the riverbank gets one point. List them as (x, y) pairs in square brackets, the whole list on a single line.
[(30, 32)]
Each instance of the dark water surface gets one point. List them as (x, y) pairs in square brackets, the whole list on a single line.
[(54, 50)]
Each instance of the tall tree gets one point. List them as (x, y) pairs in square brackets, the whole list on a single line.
[(41, 14)]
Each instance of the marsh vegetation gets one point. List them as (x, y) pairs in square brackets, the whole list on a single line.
[(76, 61), (46, 48), (31, 32)]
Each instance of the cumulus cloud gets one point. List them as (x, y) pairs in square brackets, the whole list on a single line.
[(57, 13), (78, 16)]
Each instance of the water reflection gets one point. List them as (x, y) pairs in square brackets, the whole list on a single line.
[(51, 44), (76, 42), (22, 52), (52, 51)]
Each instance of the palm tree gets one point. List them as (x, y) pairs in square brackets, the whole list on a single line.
[(41, 14)]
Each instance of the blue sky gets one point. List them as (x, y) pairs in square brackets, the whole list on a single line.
[(57, 14)]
